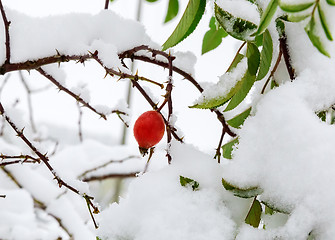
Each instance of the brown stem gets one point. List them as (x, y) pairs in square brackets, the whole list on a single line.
[(106, 4), (284, 48), (112, 175), (273, 70), (6, 24), (168, 96), (218, 150)]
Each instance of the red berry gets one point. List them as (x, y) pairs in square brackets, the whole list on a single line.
[(149, 130)]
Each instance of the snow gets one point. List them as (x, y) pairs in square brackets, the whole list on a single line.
[(226, 82), (284, 149), (241, 9)]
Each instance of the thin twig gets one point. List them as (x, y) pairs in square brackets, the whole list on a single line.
[(238, 51), (112, 175), (37, 203), (72, 94), (42, 157), (106, 164), (80, 131), (218, 150), (6, 24), (273, 70), (30, 106)]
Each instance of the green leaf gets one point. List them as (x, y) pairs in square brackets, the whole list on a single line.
[(259, 40), (239, 119), (275, 209), (236, 27), (187, 24), (267, 16), (295, 7), (228, 148), (310, 30), (324, 23), (297, 17), (331, 2), (254, 215), (184, 181), (172, 11), (266, 56), (151, 1), (269, 210), (248, 79), (213, 37), (240, 192), (322, 115), (274, 84), (253, 56), (97, 238), (235, 61)]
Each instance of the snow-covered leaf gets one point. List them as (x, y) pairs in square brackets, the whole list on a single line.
[(187, 24), (228, 148), (289, 7), (266, 55), (248, 79), (242, 193), (236, 27), (184, 181), (324, 23), (267, 16), (315, 39)]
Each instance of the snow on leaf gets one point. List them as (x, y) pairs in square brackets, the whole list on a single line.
[(241, 192), (236, 27)]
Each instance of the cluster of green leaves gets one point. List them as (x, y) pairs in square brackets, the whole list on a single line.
[(188, 182), (302, 11), (259, 44)]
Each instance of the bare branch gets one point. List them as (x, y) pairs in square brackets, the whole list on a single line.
[(6, 24), (112, 175)]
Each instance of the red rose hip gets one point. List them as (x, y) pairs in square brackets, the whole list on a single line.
[(149, 130)]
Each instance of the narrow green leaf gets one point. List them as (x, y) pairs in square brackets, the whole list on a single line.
[(239, 119), (249, 77), (331, 2), (297, 17), (253, 56), (266, 56), (254, 215), (295, 7), (213, 37), (242, 193), (151, 1), (236, 61), (184, 181), (310, 30), (228, 148), (236, 27), (172, 11), (187, 24), (324, 23), (267, 16), (242, 91), (220, 100), (259, 40)]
